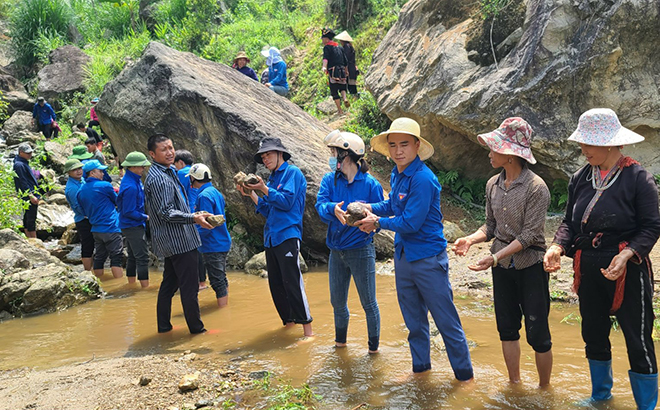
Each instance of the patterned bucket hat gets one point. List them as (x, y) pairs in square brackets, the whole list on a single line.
[(513, 137), (601, 127)]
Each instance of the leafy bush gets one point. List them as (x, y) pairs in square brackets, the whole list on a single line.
[(469, 190), (11, 207), (105, 19), (32, 19), (368, 120), (559, 195)]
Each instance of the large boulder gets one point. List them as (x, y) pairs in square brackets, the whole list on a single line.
[(64, 75), (13, 91), (53, 220), (19, 128), (220, 116), (559, 59), (32, 281), (59, 152)]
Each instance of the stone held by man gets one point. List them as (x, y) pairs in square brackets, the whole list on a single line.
[(243, 179), (213, 220)]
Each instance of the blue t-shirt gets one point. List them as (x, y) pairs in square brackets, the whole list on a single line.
[(415, 204), (71, 193), (130, 201), (284, 205), (364, 188), (217, 239), (98, 200)]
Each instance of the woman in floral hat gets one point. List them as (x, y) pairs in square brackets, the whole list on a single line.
[(611, 225), (516, 204)]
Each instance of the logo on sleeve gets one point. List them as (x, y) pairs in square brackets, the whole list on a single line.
[(279, 186), (401, 196)]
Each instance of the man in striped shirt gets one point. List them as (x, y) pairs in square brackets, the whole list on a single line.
[(174, 236)]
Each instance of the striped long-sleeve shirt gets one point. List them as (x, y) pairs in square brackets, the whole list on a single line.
[(170, 220)]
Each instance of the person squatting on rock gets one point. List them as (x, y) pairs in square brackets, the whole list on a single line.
[(44, 115), (183, 160), (420, 256), (173, 236), (611, 225), (517, 201), (335, 67), (91, 133), (352, 251), (98, 200), (132, 218), (353, 72), (283, 205), (277, 79), (216, 242), (74, 168), (27, 186), (241, 62)]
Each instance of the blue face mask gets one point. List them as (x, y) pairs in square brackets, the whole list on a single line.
[(333, 163)]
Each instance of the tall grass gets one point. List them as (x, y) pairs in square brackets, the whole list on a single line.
[(33, 19)]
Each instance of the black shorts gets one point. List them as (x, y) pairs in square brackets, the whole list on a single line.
[(108, 244), (519, 293), (335, 89), (30, 218), (86, 238)]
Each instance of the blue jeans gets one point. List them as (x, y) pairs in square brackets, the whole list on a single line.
[(361, 264), (278, 89), (423, 286)]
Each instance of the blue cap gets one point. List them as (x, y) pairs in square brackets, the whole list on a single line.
[(93, 164)]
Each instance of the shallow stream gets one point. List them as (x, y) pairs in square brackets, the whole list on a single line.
[(124, 324)]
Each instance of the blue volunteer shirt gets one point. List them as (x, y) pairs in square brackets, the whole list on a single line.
[(44, 114), (284, 205), (97, 200), (364, 188), (277, 74), (415, 204), (211, 200), (71, 193), (24, 180), (130, 201), (188, 191)]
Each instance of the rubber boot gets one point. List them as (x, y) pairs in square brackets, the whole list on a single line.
[(601, 379), (645, 389)]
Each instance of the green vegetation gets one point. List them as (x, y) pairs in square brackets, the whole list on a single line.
[(368, 120), (469, 190), (11, 207), (283, 396)]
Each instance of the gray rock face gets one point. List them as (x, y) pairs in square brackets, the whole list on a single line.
[(220, 116), (64, 75), (32, 281), (18, 128), (53, 219), (452, 231), (14, 93), (58, 153), (570, 56)]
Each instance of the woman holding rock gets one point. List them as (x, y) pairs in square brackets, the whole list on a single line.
[(516, 204), (611, 225), (352, 251)]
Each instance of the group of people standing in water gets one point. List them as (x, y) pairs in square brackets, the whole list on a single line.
[(611, 224)]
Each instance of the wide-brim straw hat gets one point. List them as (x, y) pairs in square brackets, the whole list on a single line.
[(343, 36), (512, 137), (271, 144), (72, 164), (136, 159), (241, 54), (601, 127), (402, 125)]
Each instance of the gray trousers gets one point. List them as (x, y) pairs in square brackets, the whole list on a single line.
[(138, 252)]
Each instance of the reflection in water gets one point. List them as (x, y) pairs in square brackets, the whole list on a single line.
[(124, 324)]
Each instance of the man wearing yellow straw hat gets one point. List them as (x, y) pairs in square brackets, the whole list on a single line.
[(420, 256), (241, 62)]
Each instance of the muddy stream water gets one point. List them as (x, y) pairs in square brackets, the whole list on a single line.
[(124, 324)]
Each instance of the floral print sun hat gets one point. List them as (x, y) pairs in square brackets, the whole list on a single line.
[(513, 137), (601, 127)]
